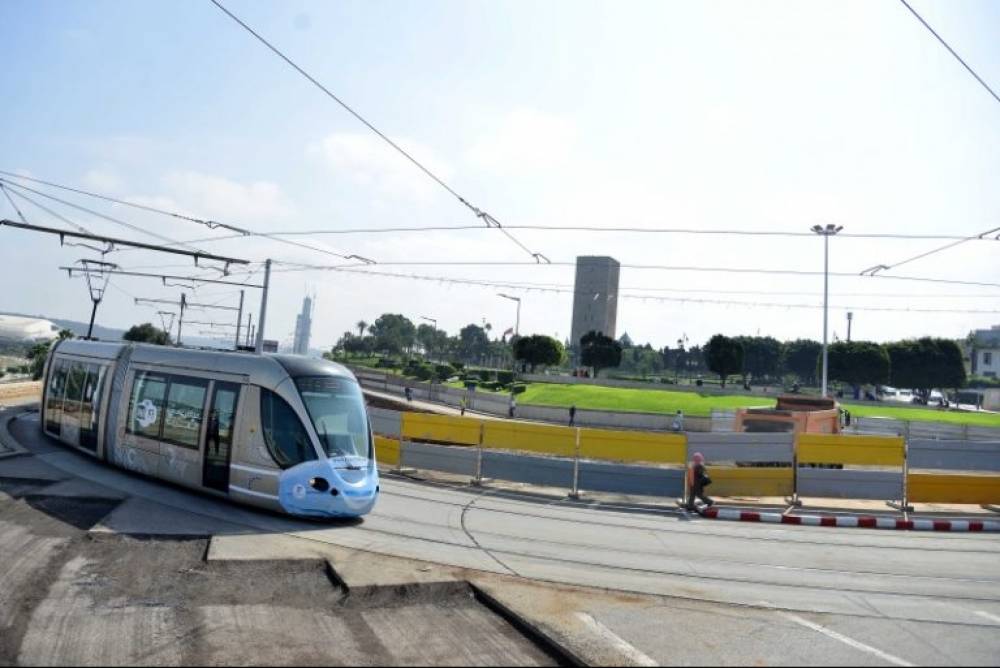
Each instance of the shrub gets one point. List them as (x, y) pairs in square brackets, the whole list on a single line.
[(459, 366), (444, 371), (423, 372), (491, 385), (518, 389), (387, 363), (485, 374), (471, 385), (505, 377)]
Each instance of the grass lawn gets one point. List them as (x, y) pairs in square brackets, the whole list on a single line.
[(692, 403)]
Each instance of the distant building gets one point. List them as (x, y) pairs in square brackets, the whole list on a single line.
[(984, 352), (303, 328), (595, 299), (21, 329)]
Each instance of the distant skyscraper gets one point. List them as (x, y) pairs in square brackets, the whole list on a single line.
[(303, 328), (595, 299)]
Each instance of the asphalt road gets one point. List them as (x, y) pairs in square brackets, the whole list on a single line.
[(729, 593)]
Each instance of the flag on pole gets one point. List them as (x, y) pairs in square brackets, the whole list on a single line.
[(509, 330)]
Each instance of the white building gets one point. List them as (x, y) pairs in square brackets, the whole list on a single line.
[(984, 353), (18, 328)]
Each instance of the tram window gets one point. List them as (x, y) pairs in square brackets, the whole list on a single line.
[(74, 388), (185, 408), (54, 399), (337, 409), (90, 406), (286, 438), (146, 407)]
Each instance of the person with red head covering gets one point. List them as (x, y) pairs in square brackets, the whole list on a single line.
[(697, 480)]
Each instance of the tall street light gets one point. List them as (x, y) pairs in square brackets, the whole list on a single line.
[(517, 324), (826, 233)]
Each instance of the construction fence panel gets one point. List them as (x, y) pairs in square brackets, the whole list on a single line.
[(632, 446), (954, 455), (634, 480), (541, 471), (749, 448), (954, 488), (442, 458), (858, 450), (386, 451), (529, 437), (386, 422), (441, 428), (850, 484)]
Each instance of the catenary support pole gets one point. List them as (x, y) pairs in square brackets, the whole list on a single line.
[(262, 318)]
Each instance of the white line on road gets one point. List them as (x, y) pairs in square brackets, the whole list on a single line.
[(986, 615), (634, 656), (844, 639)]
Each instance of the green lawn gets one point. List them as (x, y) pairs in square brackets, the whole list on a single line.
[(692, 403)]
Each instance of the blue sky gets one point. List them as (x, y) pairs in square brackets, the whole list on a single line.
[(765, 115)]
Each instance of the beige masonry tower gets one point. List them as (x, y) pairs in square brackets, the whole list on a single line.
[(595, 298)]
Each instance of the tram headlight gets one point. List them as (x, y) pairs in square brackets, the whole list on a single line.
[(319, 484)]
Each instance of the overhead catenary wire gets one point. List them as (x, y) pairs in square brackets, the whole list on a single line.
[(55, 214), (116, 221), (690, 300), (13, 203), (887, 267), (487, 219), (211, 224), (951, 51), (700, 269)]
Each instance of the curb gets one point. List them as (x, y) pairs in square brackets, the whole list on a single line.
[(852, 521), (9, 447)]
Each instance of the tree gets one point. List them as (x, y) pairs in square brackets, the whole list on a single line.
[(538, 349), (40, 352), (857, 363), (724, 356), (472, 343), (761, 356), (600, 352), (393, 333), (147, 333), (362, 326), (926, 363), (800, 358)]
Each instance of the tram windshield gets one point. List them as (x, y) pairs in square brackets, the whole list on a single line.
[(337, 410)]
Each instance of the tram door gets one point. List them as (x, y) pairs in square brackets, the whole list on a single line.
[(219, 436)]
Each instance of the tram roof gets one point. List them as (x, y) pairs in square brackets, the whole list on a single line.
[(221, 361)]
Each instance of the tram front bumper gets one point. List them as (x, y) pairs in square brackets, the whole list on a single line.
[(329, 488)]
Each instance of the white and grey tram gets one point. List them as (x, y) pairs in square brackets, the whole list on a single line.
[(285, 433)]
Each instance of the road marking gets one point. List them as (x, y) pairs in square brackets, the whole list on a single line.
[(986, 615), (844, 639), (634, 656)]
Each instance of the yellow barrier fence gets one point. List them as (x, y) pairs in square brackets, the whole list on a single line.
[(441, 428), (633, 446), (840, 449), (529, 437), (954, 488), (754, 482), (387, 450)]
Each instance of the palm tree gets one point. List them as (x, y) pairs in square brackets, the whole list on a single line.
[(361, 325)]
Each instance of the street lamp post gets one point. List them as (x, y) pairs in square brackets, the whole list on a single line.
[(517, 326), (826, 233)]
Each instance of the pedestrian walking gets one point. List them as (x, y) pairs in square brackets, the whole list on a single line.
[(678, 423), (572, 415), (697, 480), (513, 406), (461, 405), (409, 393)]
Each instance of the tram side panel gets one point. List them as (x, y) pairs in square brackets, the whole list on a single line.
[(253, 473)]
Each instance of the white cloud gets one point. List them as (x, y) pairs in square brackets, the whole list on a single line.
[(103, 180), (526, 139), (368, 161), (217, 197)]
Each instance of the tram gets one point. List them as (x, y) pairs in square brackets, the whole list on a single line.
[(281, 432)]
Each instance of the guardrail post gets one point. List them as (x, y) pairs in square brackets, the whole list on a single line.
[(795, 501), (575, 493), (904, 505), (478, 480)]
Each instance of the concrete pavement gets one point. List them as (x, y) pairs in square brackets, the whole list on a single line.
[(615, 586)]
